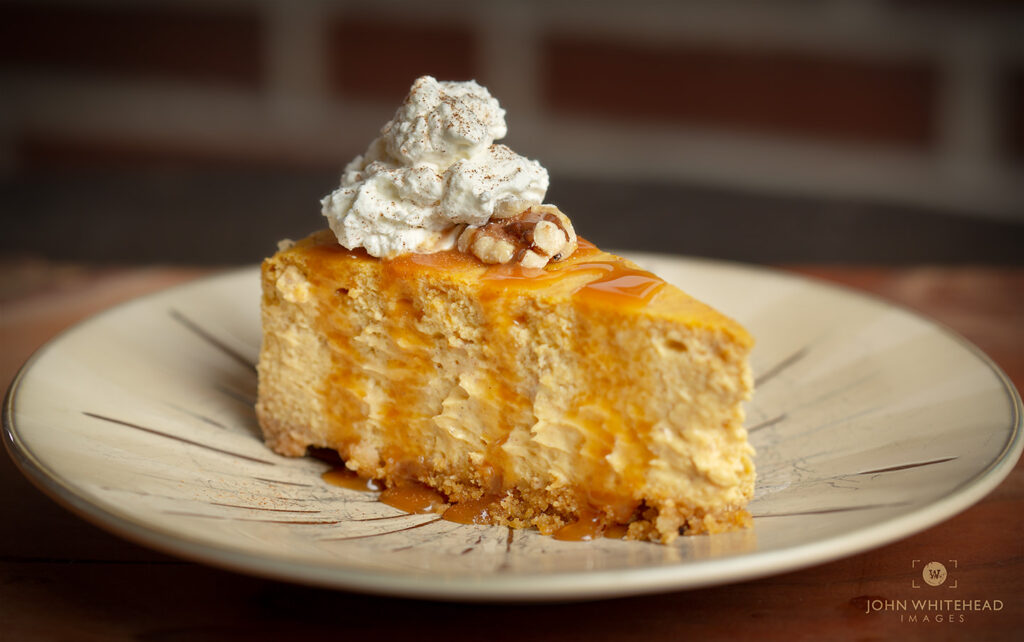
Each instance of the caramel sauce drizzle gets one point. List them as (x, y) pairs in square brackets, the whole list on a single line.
[(515, 275), (619, 284), (413, 497), (474, 511), (416, 498), (616, 531), (589, 526), (605, 282), (446, 260), (616, 283), (346, 478)]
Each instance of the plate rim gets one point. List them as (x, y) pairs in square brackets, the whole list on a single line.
[(523, 587)]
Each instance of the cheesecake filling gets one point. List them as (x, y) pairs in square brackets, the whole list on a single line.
[(434, 180)]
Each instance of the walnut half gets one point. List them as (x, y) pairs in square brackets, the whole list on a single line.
[(531, 238)]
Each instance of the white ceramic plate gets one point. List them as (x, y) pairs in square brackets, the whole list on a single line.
[(870, 423)]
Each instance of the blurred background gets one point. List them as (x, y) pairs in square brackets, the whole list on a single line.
[(843, 131)]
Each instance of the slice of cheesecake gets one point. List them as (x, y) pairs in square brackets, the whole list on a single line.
[(589, 392)]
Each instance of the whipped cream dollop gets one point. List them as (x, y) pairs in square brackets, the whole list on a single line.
[(433, 173)]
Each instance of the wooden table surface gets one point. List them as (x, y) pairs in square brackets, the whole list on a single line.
[(63, 579)]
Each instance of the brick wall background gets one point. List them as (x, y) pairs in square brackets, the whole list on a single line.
[(898, 107)]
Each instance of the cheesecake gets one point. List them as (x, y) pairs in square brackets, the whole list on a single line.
[(589, 394), (456, 345)]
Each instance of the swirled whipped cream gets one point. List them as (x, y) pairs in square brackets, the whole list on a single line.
[(433, 173)]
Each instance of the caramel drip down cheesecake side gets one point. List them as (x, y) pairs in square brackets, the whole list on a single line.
[(585, 390)]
